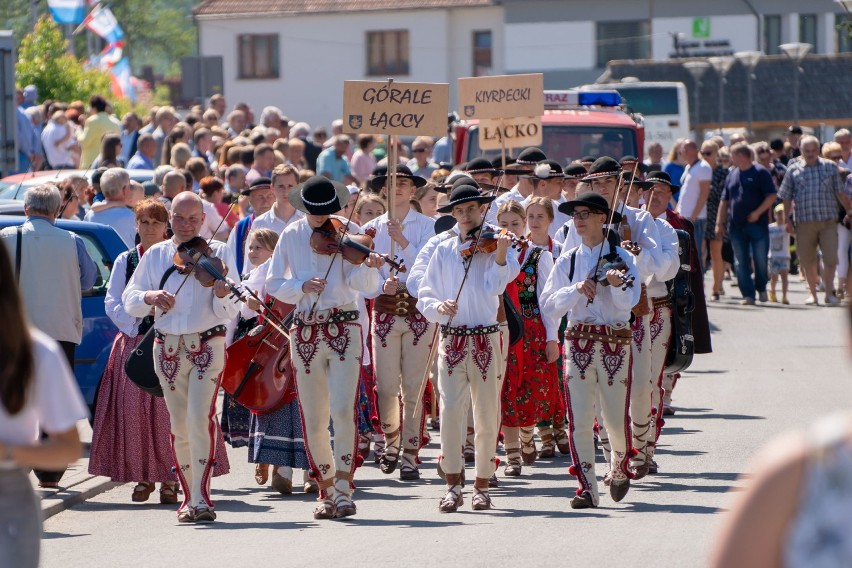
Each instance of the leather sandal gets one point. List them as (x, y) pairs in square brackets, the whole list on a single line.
[(186, 515), (364, 446), (452, 500), (324, 510), (378, 449), (493, 481), (619, 488), (204, 515), (142, 492), (548, 447), (481, 500), (408, 470), (562, 443), (261, 473), (343, 506), (311, 486), (282, 485), (168, 493), (389, 459), (513, 463), (528, 457)]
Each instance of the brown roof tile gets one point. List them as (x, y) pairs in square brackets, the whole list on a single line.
[(253, 7)]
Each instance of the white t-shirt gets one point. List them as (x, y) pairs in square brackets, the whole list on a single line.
[(693, 175), (54, 402), (60, 155), (212, 221)]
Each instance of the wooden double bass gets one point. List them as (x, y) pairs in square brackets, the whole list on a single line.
[(258, 372)]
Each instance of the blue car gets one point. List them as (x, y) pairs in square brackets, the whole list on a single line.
[(104, 245)]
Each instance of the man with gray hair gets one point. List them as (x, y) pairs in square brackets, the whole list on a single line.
[(844, 138), (114, 210), (812, 185)]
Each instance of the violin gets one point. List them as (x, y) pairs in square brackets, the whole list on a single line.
[(488, 242), (196, 256), (612, 261), (258, 370), (331, 238)]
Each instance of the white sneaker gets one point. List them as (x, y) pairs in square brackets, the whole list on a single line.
[(832, 300), (812, 301)]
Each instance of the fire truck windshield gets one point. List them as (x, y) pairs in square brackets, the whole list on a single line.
[(566, 143)]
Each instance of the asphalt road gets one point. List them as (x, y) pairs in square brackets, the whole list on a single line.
[(774, 368)]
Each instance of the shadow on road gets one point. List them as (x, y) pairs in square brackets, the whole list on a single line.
[(52, 535)]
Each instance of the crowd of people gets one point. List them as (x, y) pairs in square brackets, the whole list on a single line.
[(497, 302)]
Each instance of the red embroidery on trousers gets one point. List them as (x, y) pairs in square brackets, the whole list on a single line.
[(337, 337), (306, 344), (612, 358), (202, 359), (482, 354), (581, 356), (382, 326), (455, 351), (638, 333), (418, 326), (169, 366), (656, 324)]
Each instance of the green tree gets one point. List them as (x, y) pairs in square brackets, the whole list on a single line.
[(43, 61), (156, 32)]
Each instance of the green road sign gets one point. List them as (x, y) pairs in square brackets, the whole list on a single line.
[(701, 28)]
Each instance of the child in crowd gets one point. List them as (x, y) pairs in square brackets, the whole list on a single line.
[(779, 256)]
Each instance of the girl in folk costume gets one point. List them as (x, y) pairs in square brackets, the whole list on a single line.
[(551, 430), (531, 390), (130, 435), (276, 438)]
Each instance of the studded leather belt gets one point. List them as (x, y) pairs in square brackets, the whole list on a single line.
[(324, 317), (602, 333), (217, 331), (478, 330)]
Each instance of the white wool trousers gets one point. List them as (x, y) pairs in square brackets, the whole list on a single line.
[(327, 359), (401, 349), (470, 370), (641, 387), (661, 334), (189, 370), (597, 373)]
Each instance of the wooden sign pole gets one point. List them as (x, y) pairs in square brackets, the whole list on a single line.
[(393, 160)]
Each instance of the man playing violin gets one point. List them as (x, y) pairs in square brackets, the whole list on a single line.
[(401, 335), (639, 235), (463, 294), (325, 340), (597, 344), (189, 349)]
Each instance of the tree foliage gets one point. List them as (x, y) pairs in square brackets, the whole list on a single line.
[(157, 32), (43, 61)]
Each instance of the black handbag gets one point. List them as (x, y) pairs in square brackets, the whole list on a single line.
[(514, 320), (139, 366)]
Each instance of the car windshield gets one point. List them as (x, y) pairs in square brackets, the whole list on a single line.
[(568, 143), (102, 261)]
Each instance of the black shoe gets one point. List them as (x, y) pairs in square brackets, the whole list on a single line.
[(408, 472), (652, 468), (641, 471), (618, 489), (583, 501), (388, 463), (668, 411)]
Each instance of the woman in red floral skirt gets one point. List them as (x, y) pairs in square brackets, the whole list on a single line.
[(531, 390)]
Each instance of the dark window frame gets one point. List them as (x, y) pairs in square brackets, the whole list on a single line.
[(480, 53), (772, 25), (612, 45), (247, 49), (401, 65), (842, 41), (807, 21)]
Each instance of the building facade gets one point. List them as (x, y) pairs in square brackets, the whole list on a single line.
[(296, 54)]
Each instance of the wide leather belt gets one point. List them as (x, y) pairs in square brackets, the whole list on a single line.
[(323, 317), (661, 302), (401, 304), (217, 331), (478, 330), (602, 333)]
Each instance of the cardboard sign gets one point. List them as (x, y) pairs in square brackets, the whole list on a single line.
[(379, 107), (501, 96), (510, 132)]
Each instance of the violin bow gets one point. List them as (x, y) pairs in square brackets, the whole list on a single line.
[(337, 252), (612, 217)]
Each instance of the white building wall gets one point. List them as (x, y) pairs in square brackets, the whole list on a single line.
[(740, 31), (549, 46), (319, 52), (459, 51)]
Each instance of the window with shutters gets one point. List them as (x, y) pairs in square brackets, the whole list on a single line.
[(387, 53), (258, 56)]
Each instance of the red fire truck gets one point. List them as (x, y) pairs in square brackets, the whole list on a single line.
[(575, 124)]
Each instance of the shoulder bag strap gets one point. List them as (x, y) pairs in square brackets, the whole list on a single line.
[(573, 262), (166, 275), (18, 244)]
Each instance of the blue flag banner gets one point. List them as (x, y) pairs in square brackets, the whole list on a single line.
[(67, 11)]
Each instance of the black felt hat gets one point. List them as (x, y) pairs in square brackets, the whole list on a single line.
[(628, 162), (463, 194), (319, 196), (259, 183), (481, 166), (638, 183), (546, 169), (530, 157), (603, 167), (593, 201), (377, 181), (575, 171), (497, 163), (661, 177)]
